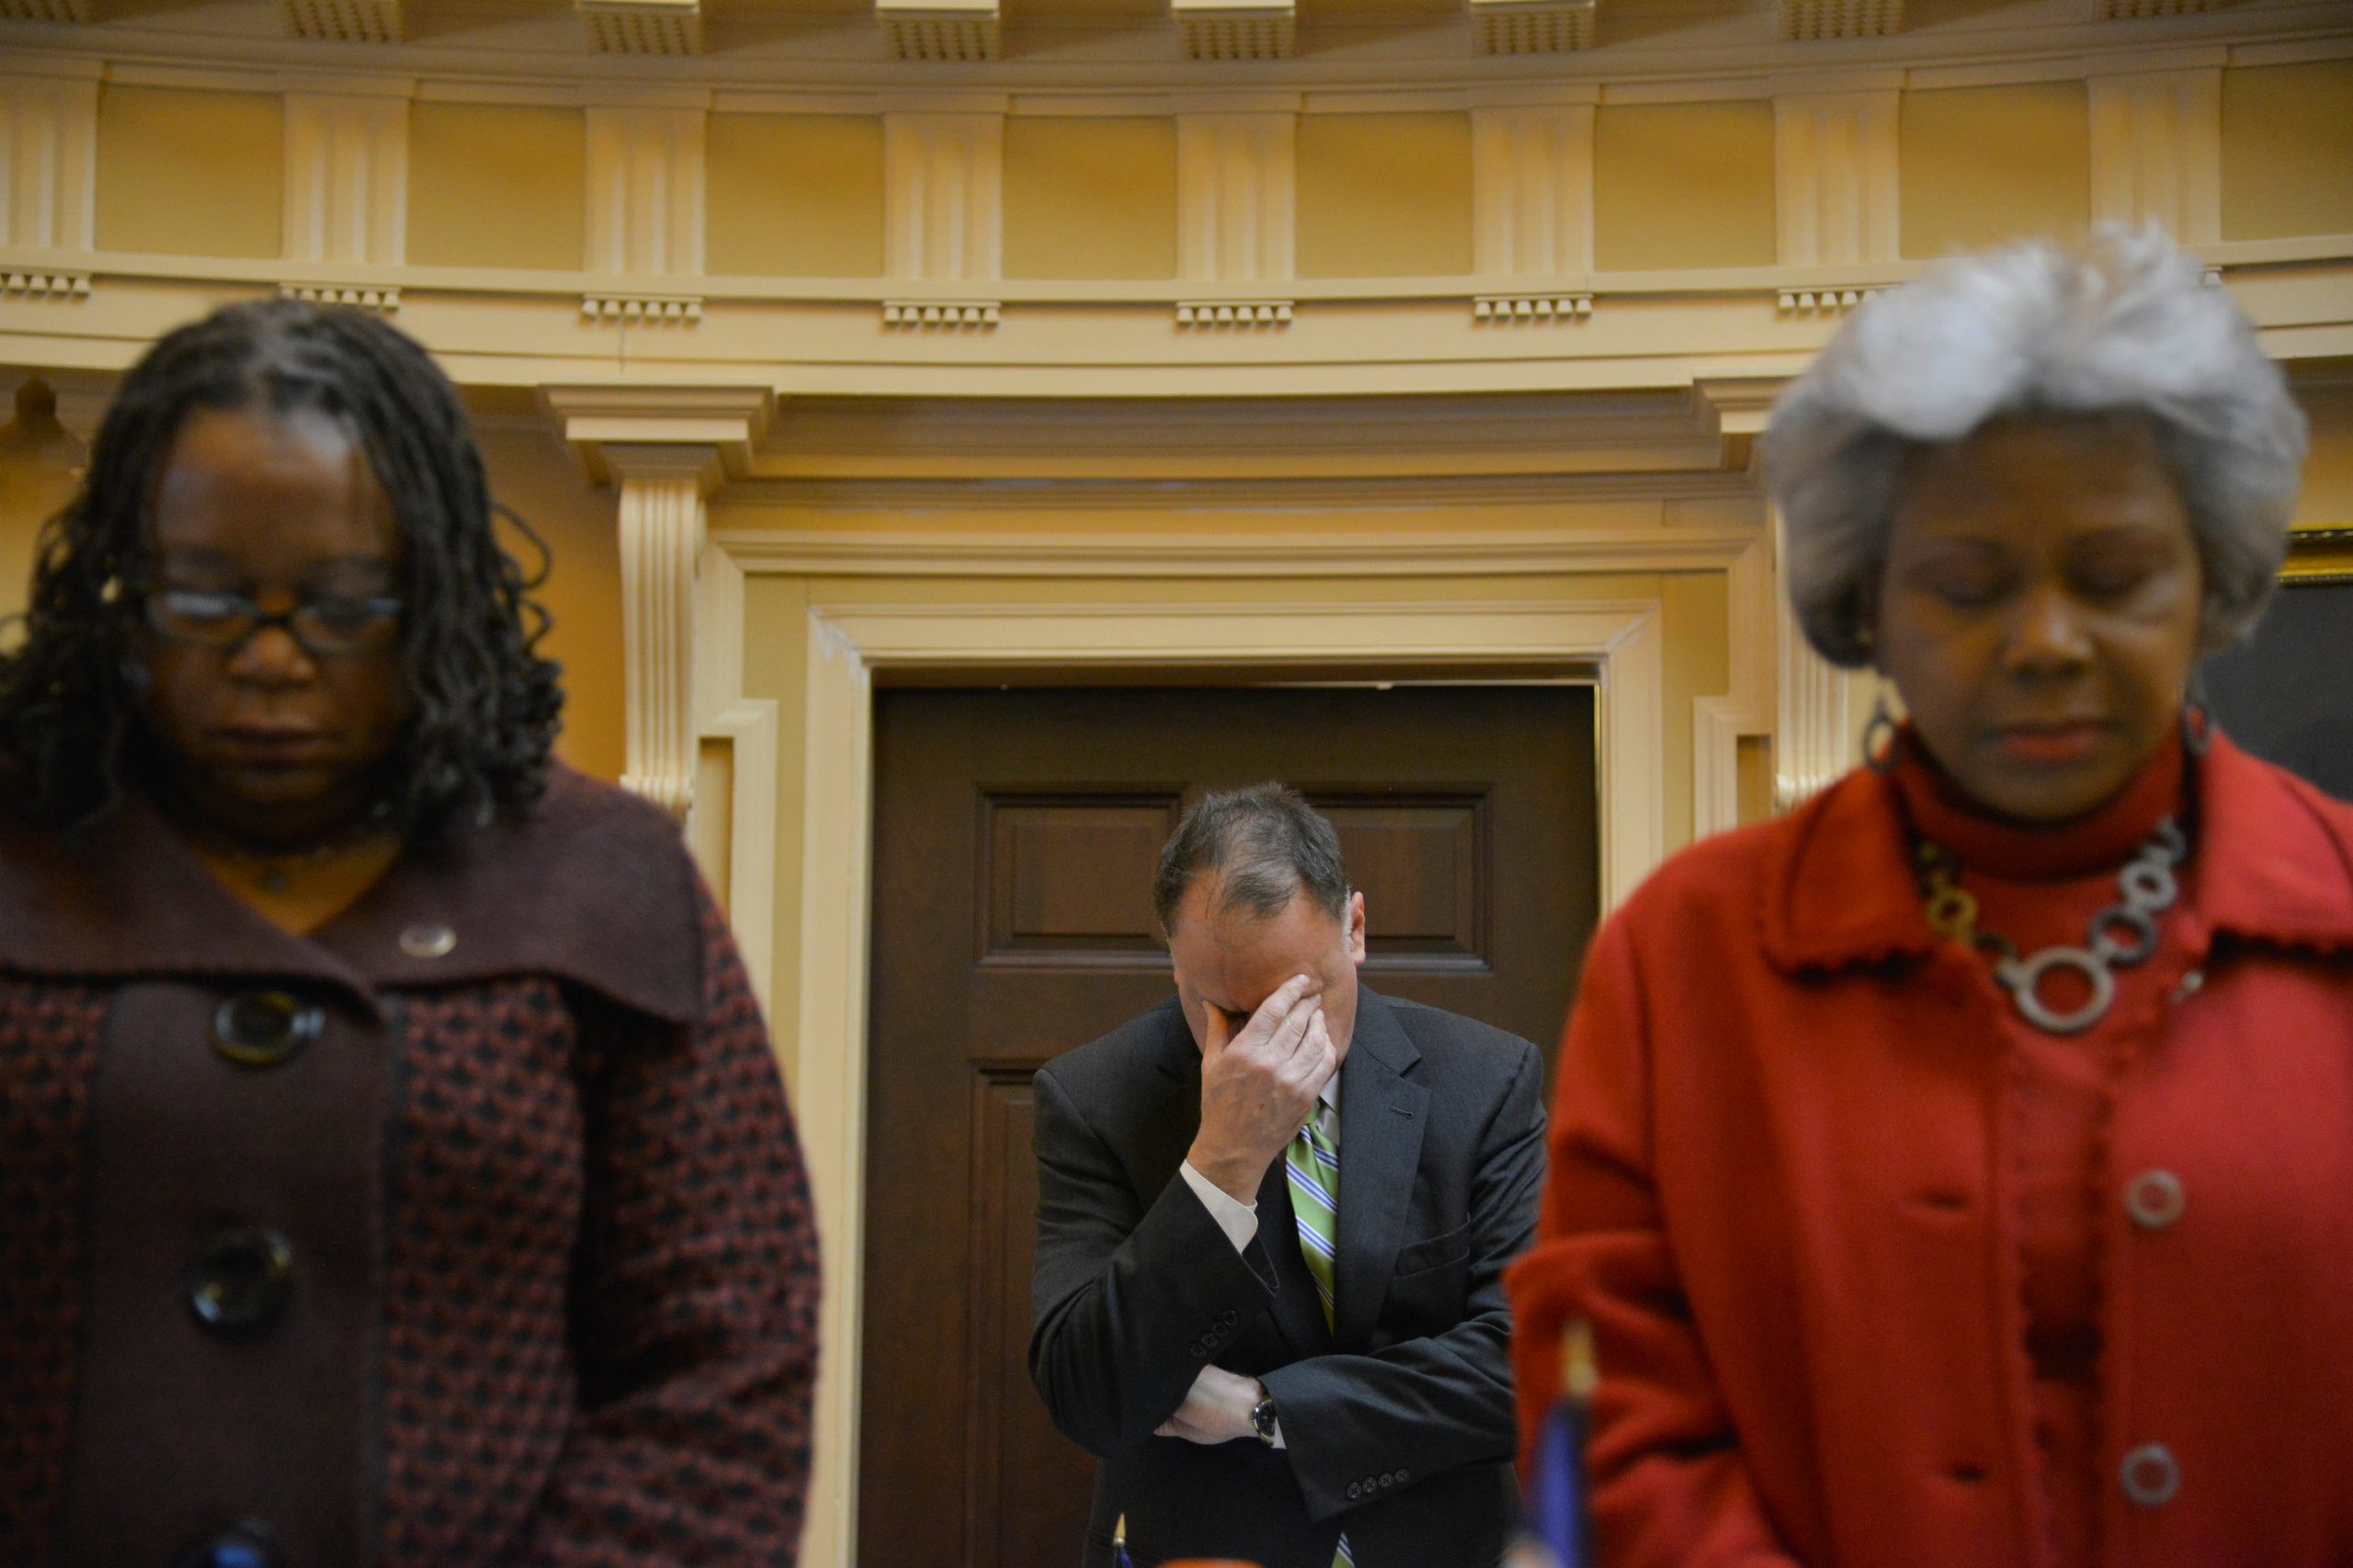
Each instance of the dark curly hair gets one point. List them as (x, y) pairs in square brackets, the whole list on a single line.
[(484, 708)]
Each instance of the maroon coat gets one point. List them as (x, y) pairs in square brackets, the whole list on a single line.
[(548, 1291), (1782, 1192)]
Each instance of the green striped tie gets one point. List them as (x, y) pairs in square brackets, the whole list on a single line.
[(1312, 1163)]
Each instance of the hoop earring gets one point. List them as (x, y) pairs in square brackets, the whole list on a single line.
[(1881, 737), (2196, 719)]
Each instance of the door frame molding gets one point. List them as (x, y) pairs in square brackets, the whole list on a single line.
[(1616, 643)]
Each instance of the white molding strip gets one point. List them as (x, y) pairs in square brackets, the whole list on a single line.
[(383, 301), (1817, 718), (947, 315), (1235, 313), (1235, 214), (49, 137), (347, 179), (1835, 178), (1421, 553), (943, 202), (662, 533), (2157, 152), (645, 190), (666, 447), (1531, 182)]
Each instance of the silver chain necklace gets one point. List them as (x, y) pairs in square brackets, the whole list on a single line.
[(2121, 936)]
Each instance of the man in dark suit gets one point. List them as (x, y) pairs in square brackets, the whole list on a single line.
[(1261, 1378)]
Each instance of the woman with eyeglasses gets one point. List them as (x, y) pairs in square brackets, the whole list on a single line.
[(393, 1168), (1958, 1172)]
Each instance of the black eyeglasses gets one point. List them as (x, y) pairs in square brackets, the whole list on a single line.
[(329, 626)]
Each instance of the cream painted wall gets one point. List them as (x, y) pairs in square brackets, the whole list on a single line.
[(793, 195), (1090, 198), (191, 173), (2327, 498), (1983, 164), (496, 184), (1383, 195), (532, 474), (1683, 184), (36, 481), (2288, 150)]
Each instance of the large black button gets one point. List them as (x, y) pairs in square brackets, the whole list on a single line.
[(243, 1545), (240, 1281), (265, 1028)]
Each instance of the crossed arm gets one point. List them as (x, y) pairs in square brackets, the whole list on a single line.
[(1128, 1290)]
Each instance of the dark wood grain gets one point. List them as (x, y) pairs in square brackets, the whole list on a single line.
[(1016, 833)]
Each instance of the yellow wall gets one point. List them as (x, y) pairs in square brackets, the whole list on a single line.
[(1683, 184), (2328, 499), (496, 184), (533, 474), (1093, 198), (1383, 195), (37, 478), (191, 173), (793, 195), (2288, 151), (1983, 164)]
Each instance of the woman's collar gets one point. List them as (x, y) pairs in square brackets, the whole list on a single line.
[(1994, 846)]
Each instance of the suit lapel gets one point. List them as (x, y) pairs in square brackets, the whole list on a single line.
[(1383, 1114), (1164, 1136)]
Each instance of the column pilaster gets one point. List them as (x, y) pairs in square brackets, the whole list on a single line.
[(49, 135), (1835, 176), (944, 197), (2157, 152), (346, 179), (667, 451), (1532, 189)]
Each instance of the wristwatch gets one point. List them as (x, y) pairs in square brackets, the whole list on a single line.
[(1262, 1420)]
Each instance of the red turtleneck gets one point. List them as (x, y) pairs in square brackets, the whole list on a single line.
[(2038, 888)]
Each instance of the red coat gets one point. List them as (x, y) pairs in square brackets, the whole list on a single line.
[(1782, 1194), (551, 1287)]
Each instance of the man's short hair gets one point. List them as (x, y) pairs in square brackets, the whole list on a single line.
[(1263, 845)]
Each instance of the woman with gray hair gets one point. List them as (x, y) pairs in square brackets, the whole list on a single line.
[(1959, 1169)]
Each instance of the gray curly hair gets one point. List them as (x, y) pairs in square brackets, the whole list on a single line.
[(2123, 323)]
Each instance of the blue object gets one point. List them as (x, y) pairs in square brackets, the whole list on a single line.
[(1556, 1489), (1556, 1494)]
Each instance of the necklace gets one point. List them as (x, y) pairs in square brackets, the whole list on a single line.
[(2121, 936), (274, 871)]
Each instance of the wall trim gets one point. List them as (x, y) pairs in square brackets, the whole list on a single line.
[(1718, 62), (1419, 555)]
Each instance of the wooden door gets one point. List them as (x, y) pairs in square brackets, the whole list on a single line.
[(1016, 835)]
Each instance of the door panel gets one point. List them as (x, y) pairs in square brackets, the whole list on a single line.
[(1014, 841)]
